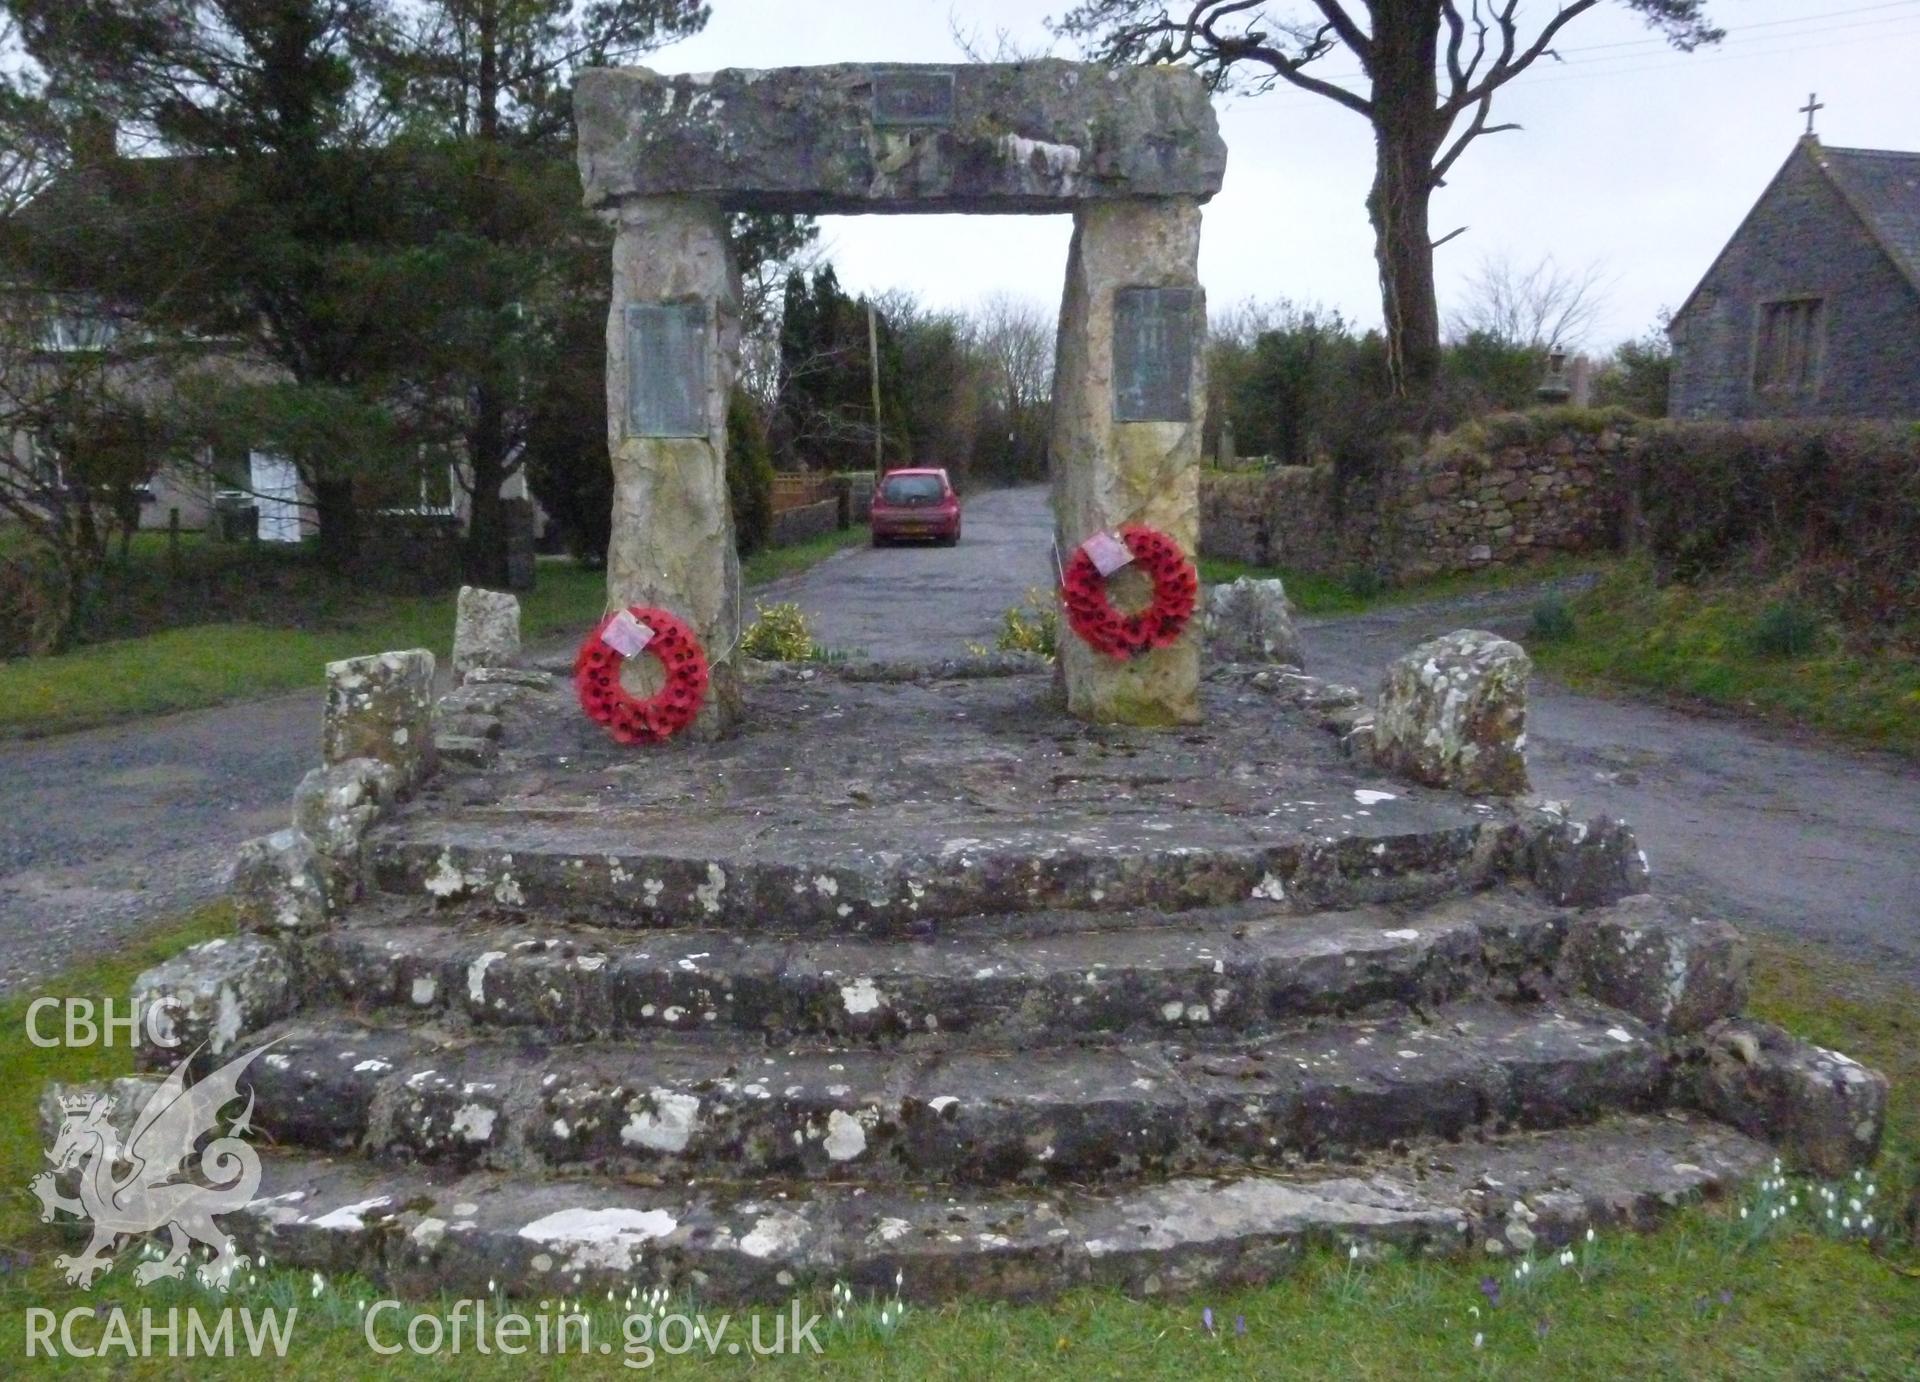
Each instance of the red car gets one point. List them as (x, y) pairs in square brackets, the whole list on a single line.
[(915, 503)]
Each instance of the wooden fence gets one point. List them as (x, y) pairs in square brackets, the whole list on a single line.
[(797, 491)]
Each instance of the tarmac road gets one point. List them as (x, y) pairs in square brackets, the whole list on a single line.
[(921, 600), (1771, 830)]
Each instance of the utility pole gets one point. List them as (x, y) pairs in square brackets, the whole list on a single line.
[(873, 360)]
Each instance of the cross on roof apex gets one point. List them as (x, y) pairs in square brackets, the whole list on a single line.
[(1813, 106)]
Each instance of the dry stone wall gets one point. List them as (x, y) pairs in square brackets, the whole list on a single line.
[(1495, 493)]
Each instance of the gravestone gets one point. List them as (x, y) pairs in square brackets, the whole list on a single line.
[(1131, 153)]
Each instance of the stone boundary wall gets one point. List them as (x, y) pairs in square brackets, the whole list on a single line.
[(856, 491), (807, 521), (1492, 494)]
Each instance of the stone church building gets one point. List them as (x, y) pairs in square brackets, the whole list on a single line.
[(1813, 308)]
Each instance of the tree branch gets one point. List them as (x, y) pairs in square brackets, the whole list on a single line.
[(1350, 33), (1289, 68), (1473, 131), (1508, 66)]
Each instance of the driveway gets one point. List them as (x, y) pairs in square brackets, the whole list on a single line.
[(106, 831), (1771, 830), (927, 601)]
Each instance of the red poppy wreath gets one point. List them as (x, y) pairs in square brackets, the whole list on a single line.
[(1176, 590), (626, 633)]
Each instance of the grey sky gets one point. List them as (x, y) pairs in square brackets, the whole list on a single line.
[(1633, 155)]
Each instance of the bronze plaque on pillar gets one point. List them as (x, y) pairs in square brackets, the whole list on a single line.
[(1153, 341), (667, 369)]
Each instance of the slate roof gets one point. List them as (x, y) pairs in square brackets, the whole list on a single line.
[(1883, 188), (1880, 186)]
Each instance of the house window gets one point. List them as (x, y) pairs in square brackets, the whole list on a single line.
[(1786, 356), (70, 333), (232, 468), (44, 462)]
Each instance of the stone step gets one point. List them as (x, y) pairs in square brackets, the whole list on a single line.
[(699, 1104), (576, 871), (1038, 979), (418, 1232)]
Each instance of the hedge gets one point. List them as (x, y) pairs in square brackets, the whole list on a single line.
[(1834, 503)]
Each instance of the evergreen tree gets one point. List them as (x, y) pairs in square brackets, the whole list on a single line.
[(825, 417), (489, 83), (269, 228)]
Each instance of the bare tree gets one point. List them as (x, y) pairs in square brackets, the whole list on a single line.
[(80, 434), (1017, 336), (1429, 72), (1541, 307)]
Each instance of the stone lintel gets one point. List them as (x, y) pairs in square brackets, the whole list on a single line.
[(1041, 136)]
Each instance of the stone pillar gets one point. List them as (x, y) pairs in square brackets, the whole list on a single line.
[(672, 342), (1126, 432)]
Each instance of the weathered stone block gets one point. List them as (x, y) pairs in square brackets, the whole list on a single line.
[(1251, 620), (1590, 864), (1046, 135), (486, 629), (1453, 713), (211, 994), (470, 724), (125, 1097), (532, 678), (334, 806), (1824, 1111), (1671, 971), (469, 751), (280, 885), (382, 707)]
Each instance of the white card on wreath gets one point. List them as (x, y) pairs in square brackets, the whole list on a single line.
[(626, 635), (1107, 553)]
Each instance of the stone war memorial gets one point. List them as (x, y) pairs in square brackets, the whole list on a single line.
[(1130, 153), (912, 977)]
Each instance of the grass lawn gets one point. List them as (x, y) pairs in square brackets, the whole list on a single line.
[(1330, 595), (206, 664), (1699, 641), (1712, 1296)]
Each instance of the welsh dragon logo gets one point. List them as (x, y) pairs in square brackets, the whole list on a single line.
[(148, 1184)]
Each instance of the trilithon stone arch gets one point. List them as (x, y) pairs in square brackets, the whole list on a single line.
[(1132, 153)]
